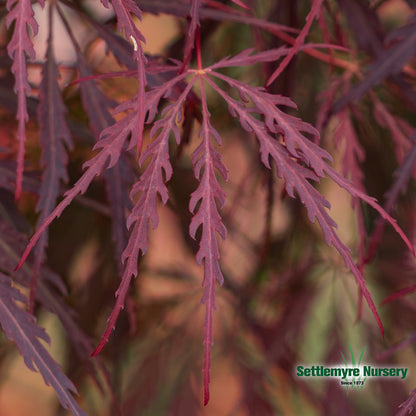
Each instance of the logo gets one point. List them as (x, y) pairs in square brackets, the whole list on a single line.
[(352, 374)]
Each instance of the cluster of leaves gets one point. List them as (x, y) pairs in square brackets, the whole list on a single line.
[(140, 165)]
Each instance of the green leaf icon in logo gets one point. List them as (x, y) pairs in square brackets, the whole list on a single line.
[(356, 365)]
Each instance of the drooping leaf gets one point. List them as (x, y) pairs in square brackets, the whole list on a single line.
[(20, 327), (241, 4), (20, 45), (399, 294), (287, 146), (315, 10), (407, 407), (110, 145), (12, 242), (151, 183), (297, 146), (291, 128), (123, 10), (30, 180), (402, 176), (119, 47), (54, 137), (181, 9), (389, 62), (119, 177), (364, 24), (353, 152), (207, 160), (399, 129)]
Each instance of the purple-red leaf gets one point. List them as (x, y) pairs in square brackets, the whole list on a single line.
[(12, 243), (206, 158), (315, 9), (54, 136), (123, 9), (20, 327), (111, 144), (399, 294), (364, 24), (389, 62), (407, 407), (19, 46), (119, 177), (150, 184), (248, 57), (241, 4), (402, 176), (353, 152), (112, 141), (290, 128), (297, 148)]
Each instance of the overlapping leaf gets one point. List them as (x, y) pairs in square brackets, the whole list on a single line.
[(407, 407), (353, 155), (364, 24), (20, 327), (297, 160), (19, 46), (54, 137), (150, 184), (315, 10), (401, 179), (123, 10), (112, 141), (49, 294), (284, 141), (98, 106), (389, 62)]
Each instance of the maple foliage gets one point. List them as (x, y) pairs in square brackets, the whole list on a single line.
[(208, 192), (54, 136), (20, 327), (19, 46), (160, 146)]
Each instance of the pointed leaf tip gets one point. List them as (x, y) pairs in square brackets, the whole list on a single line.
[(380, 325), (20, 264), (95, 352), (24, 255), (206, 395), (241, 4), (104, 338), (99, 347)]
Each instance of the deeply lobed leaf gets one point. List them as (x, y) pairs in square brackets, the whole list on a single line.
[(297, 147), (123, 10), (150, 184), (20, 45), (20, 327), (206, 158), (54, 137), (315, 10), (283, 141)]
